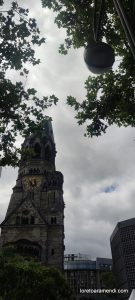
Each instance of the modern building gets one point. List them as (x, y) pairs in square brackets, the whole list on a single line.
[(34, 223), (123, 254), (84, 273), (132, 296)]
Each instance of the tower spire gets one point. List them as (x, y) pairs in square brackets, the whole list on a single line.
[(34, 221), (47, 129)]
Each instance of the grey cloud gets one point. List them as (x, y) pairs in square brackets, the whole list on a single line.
[(88, 165)]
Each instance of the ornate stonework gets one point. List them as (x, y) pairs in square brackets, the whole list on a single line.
[(34, 223)]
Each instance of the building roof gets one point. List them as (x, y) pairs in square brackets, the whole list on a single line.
[(132, 296), (122, 224), (80, 265), (83, 262)]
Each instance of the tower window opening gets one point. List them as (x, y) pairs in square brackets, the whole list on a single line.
[(37, 150), (34, 171), (52, 251), (53, 220), (24, 220), (32, 220), (26, 250), (48, 153), (54, 197), (18, 221)]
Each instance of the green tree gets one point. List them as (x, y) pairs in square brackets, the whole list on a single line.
[(25, 280), (109, 282), (109, 97), (21, 110)]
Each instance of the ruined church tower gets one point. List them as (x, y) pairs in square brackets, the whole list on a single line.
[(34, 223)]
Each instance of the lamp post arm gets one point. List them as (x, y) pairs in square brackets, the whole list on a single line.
[(125, 24), (97, 23)]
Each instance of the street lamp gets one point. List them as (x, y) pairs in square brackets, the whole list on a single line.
[(98, 56)]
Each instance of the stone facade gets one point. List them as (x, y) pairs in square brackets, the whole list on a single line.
[(34, 223)]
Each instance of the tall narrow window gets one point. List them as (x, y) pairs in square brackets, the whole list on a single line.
[(47, 153), (54, 197), (52, 251), (53, 220), (32, 220), (23, 220), (37, 150), (18, 220), (26, 220)]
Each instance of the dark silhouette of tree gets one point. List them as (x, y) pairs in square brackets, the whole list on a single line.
[(21, 111), (109, 97)]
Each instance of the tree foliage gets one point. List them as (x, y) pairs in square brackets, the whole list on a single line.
[(109, 97), (21, 110), (25, 280), (109, 282)]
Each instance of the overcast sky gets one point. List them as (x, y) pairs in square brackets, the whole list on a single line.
[(99, 173)]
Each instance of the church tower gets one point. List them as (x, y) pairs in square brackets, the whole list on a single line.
[(34, 223)]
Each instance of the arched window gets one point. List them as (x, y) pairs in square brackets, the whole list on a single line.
[(26, 220), (28, 249), (32, 220), (52, 251), (54, 197), (53, 220), (36, 253), (37, 150), (25, 249), (23, 220), (18, 221), (48, 153), (19, 249)]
